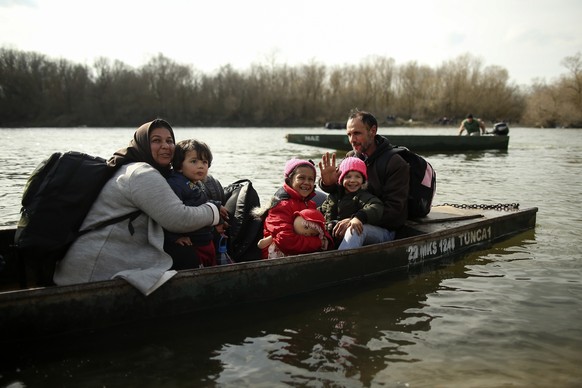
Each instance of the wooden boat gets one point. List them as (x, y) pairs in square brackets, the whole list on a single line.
[(45, 311), (416, 143)]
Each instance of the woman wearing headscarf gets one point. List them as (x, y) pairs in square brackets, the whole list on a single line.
[(133, 249)]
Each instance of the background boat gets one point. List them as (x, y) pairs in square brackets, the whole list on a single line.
[(416, 143)]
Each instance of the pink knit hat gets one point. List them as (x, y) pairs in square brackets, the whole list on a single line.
[(352, 164), (292, 164)]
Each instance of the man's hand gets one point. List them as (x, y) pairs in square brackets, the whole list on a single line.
[(328, 169)]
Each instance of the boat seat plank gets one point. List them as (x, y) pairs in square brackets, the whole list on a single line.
[(448, 213)]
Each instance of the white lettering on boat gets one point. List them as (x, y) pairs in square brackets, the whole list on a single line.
[(432, 248), (420, 252), (311, 137), (428, 249), (447, 245), (475, 236)]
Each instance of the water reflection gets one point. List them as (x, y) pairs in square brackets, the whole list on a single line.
[(339, 337), (468, 156), (338, 342)]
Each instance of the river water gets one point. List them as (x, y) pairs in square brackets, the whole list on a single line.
[(507, 316)]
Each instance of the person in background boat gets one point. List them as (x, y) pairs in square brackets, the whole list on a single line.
[(351, 212), (473, 126), (307, 222), (134, 249), (192, 159), (295, 195), (388, 179)]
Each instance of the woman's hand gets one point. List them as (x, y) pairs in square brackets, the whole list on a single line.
[(221, 228), (184, 241), (328, 169), (223, 213)]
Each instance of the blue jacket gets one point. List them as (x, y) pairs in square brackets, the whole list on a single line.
[(191, 195)]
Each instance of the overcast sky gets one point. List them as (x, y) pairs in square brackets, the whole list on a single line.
[(529, 38)]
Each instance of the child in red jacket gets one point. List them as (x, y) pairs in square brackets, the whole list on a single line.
[(295, 195), (308, 222)]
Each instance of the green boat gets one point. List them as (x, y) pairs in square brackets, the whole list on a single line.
[(447, 232), (416, 143)]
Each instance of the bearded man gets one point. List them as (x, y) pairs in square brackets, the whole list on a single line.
[(388, 173)]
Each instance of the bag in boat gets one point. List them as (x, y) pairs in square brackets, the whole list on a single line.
[(214, 189), (245, 229), (57, 197), (422, 186)]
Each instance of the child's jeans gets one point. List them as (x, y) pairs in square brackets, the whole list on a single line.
[(370, 235)]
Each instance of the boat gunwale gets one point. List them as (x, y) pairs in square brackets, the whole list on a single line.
[(333, 255)]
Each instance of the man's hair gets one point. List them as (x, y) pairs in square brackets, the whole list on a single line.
[(202, 152), (367, 118)]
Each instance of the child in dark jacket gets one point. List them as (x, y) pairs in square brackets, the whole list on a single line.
[(351, 212), (295, 195), (191, 162)]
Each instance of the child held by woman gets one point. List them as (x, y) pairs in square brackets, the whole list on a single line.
[(191, 162)]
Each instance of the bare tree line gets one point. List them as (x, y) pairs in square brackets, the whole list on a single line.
[(39, 91)]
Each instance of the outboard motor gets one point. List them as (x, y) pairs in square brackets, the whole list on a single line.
[(335, 125), (500, 129)]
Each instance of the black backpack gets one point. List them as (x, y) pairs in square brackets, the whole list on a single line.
[(422, 186), (245, 229), (57, 197)]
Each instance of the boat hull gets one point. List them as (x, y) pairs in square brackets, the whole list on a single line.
[(30, 313), (416, 143)]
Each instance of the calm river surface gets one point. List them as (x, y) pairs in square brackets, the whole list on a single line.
[(508, 316)]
